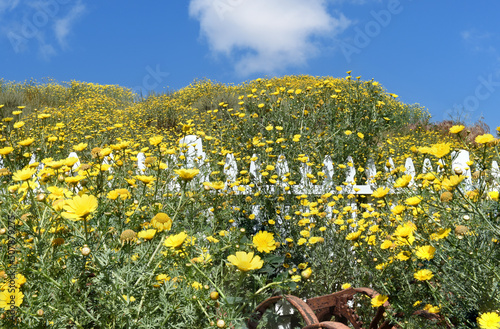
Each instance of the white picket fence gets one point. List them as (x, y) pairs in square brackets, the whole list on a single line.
[(195, 158)]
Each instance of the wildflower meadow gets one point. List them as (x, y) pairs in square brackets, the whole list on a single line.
[(188, 209)]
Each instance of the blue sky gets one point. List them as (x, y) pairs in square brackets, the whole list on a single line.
[(444, 55)]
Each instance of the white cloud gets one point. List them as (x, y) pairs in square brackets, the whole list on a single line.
[(264, 36), (45, 25), (479, 41), (45, 50), (62, 26)]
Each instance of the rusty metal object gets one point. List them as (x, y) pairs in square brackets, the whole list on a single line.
[(328, 311)]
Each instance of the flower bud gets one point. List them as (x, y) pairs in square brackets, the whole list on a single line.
[(85, 250), (306, 274)]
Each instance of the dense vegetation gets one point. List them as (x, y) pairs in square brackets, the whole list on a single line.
[(101, 241)]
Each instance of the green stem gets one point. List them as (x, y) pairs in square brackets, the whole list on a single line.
[(201, 306), (86, 230), (71, 297), (157, 173), (268, 286), (150, 260), (206, 277)]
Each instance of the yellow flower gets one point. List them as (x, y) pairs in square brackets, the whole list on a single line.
[(402, 256), (423, 275), (155, 140), (403, 181), (440, 150), (264, 241), (26, 142), (80, 147), (380, 192), (441, 234), (131, 299), (493, 195), (347, 132), (397, 210), (113, 195), (162, 278), (196, 285), (245, 261), (6, 296), (379, 300), (80, 207), (432, 309), (489, 320), (453, 181), (70, 161), (212, 239), (413, 201), (161, 221), (425, 252), (6, 150), (456, 129), (360, 135), (147, 234), (214, 185), (18, 124), (24, 175), (483, 139), (346, 286), (145, 179), (56, 164), (73, 180), (20, 280), (353, 236), (175, 241), (404, 231), (315, 239), (187, 174), (122, 193), (387, 244)]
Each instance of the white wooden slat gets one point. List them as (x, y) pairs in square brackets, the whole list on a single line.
[(410, 170), (141, 163), (329, 172), (255, 170)]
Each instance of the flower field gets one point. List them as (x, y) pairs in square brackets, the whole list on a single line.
[(108, 221)]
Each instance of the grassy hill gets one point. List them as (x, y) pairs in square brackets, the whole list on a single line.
[(102, 242)]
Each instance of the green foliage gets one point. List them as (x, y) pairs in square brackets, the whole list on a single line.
[(157, 247)]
